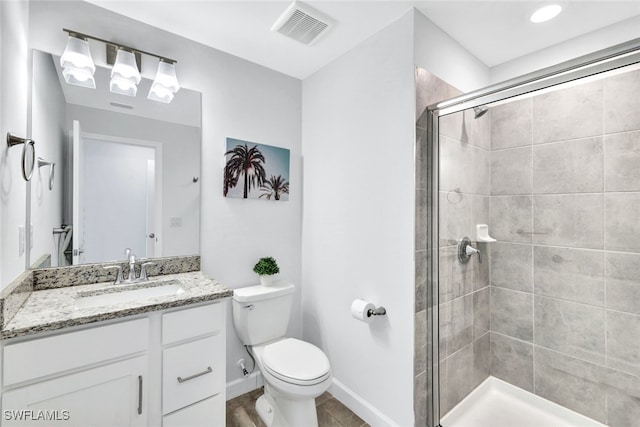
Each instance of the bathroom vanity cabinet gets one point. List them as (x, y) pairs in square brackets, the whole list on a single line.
[(160, 368)]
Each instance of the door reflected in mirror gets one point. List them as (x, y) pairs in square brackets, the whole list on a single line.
[(125, 171)]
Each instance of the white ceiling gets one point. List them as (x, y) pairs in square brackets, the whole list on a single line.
[(494, 31)]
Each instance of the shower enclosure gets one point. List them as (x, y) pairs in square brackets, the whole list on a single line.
[(542, 325)]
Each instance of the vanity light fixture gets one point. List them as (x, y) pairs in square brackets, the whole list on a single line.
[(125, 75), (546, 13), (165, 84), (77, 63)]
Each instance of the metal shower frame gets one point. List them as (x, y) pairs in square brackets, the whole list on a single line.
[(614, 57)]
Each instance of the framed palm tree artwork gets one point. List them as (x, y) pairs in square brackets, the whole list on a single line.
[(256, 171)]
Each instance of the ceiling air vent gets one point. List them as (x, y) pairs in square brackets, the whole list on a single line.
[(302, 23)]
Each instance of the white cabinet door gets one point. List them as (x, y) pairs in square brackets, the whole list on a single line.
[(108, 396)]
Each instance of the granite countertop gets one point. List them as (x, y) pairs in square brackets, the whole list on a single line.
[(52, 309)]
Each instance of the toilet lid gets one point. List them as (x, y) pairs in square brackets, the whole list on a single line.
[(296, 361)]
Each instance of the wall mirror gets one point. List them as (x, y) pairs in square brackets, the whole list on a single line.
[(127, 170)]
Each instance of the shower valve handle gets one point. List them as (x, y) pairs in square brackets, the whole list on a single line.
[(465, 250)]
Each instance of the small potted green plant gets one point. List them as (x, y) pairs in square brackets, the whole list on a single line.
[(265, 269)]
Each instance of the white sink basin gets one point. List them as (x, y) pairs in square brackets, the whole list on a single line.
[(124, 295)]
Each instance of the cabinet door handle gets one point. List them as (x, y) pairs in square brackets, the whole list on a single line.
[(139, 394), (199, 374)]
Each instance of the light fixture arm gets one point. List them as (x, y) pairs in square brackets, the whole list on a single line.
[(84, 36)]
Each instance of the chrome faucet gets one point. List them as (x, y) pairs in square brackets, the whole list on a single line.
[(131, 278), (132, 264)]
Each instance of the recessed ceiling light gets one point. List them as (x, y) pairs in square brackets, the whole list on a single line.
[(546, 13)]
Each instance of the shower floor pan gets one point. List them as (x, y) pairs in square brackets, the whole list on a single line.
[(497, 403)]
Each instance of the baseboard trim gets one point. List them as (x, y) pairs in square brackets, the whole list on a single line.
[(359, 406), (241, 386)]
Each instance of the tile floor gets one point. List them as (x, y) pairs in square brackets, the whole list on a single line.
[(241, 412)]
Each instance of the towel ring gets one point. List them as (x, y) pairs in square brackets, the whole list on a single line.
[(28, 153)]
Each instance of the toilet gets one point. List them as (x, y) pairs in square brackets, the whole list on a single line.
[(295, 372)]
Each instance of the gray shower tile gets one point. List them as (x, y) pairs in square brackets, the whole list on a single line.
[(481, 359), (572, 274), (574, 329), (463, 166), (623, 345), (421, 398), (481, 270), (568, 113), (512, 361), (456, 165), (622, 98), (622, 157), (422, 166), (481, 312), (458, 220), (456, 279), (421, 219), (420, 343), (511, 124), (459, 376), (512, 266), (573, 220), (622, 230), (456, 324), (568, 167), (623, 282), (511, 171), (480, 214), (623, 410), (429, 90), (570, 382), (481, 181), (512, 313), (421, 261), (455, 217), (464, 127), (479, 129), (511, 218)]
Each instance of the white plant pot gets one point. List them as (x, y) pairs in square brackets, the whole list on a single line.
[(266, 279)]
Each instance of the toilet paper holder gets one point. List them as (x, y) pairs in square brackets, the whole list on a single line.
[(378, 311)]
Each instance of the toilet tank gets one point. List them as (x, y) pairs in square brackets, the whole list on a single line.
[(261, 313)]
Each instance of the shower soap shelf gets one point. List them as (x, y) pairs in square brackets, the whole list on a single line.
[(482, 233)]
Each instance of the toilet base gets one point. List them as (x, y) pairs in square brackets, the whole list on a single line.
[(277, 411)]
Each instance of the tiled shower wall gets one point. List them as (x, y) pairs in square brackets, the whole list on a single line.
[(561, 193), (565, 272), (464, 288)]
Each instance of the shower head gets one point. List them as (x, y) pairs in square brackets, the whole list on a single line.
[(479, 111)]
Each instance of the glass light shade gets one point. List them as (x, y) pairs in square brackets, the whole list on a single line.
[(125, 67), (166, 76), (77, 55), (160, 93), (123, 86), (79, 77)]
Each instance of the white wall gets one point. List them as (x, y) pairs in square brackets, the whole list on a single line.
[(48, 130), (583, 45), (14, 77), (358, 220), (441, 55), (239, 99), (181, 154)]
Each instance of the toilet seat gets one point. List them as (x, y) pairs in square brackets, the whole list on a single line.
[(296, 362)]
